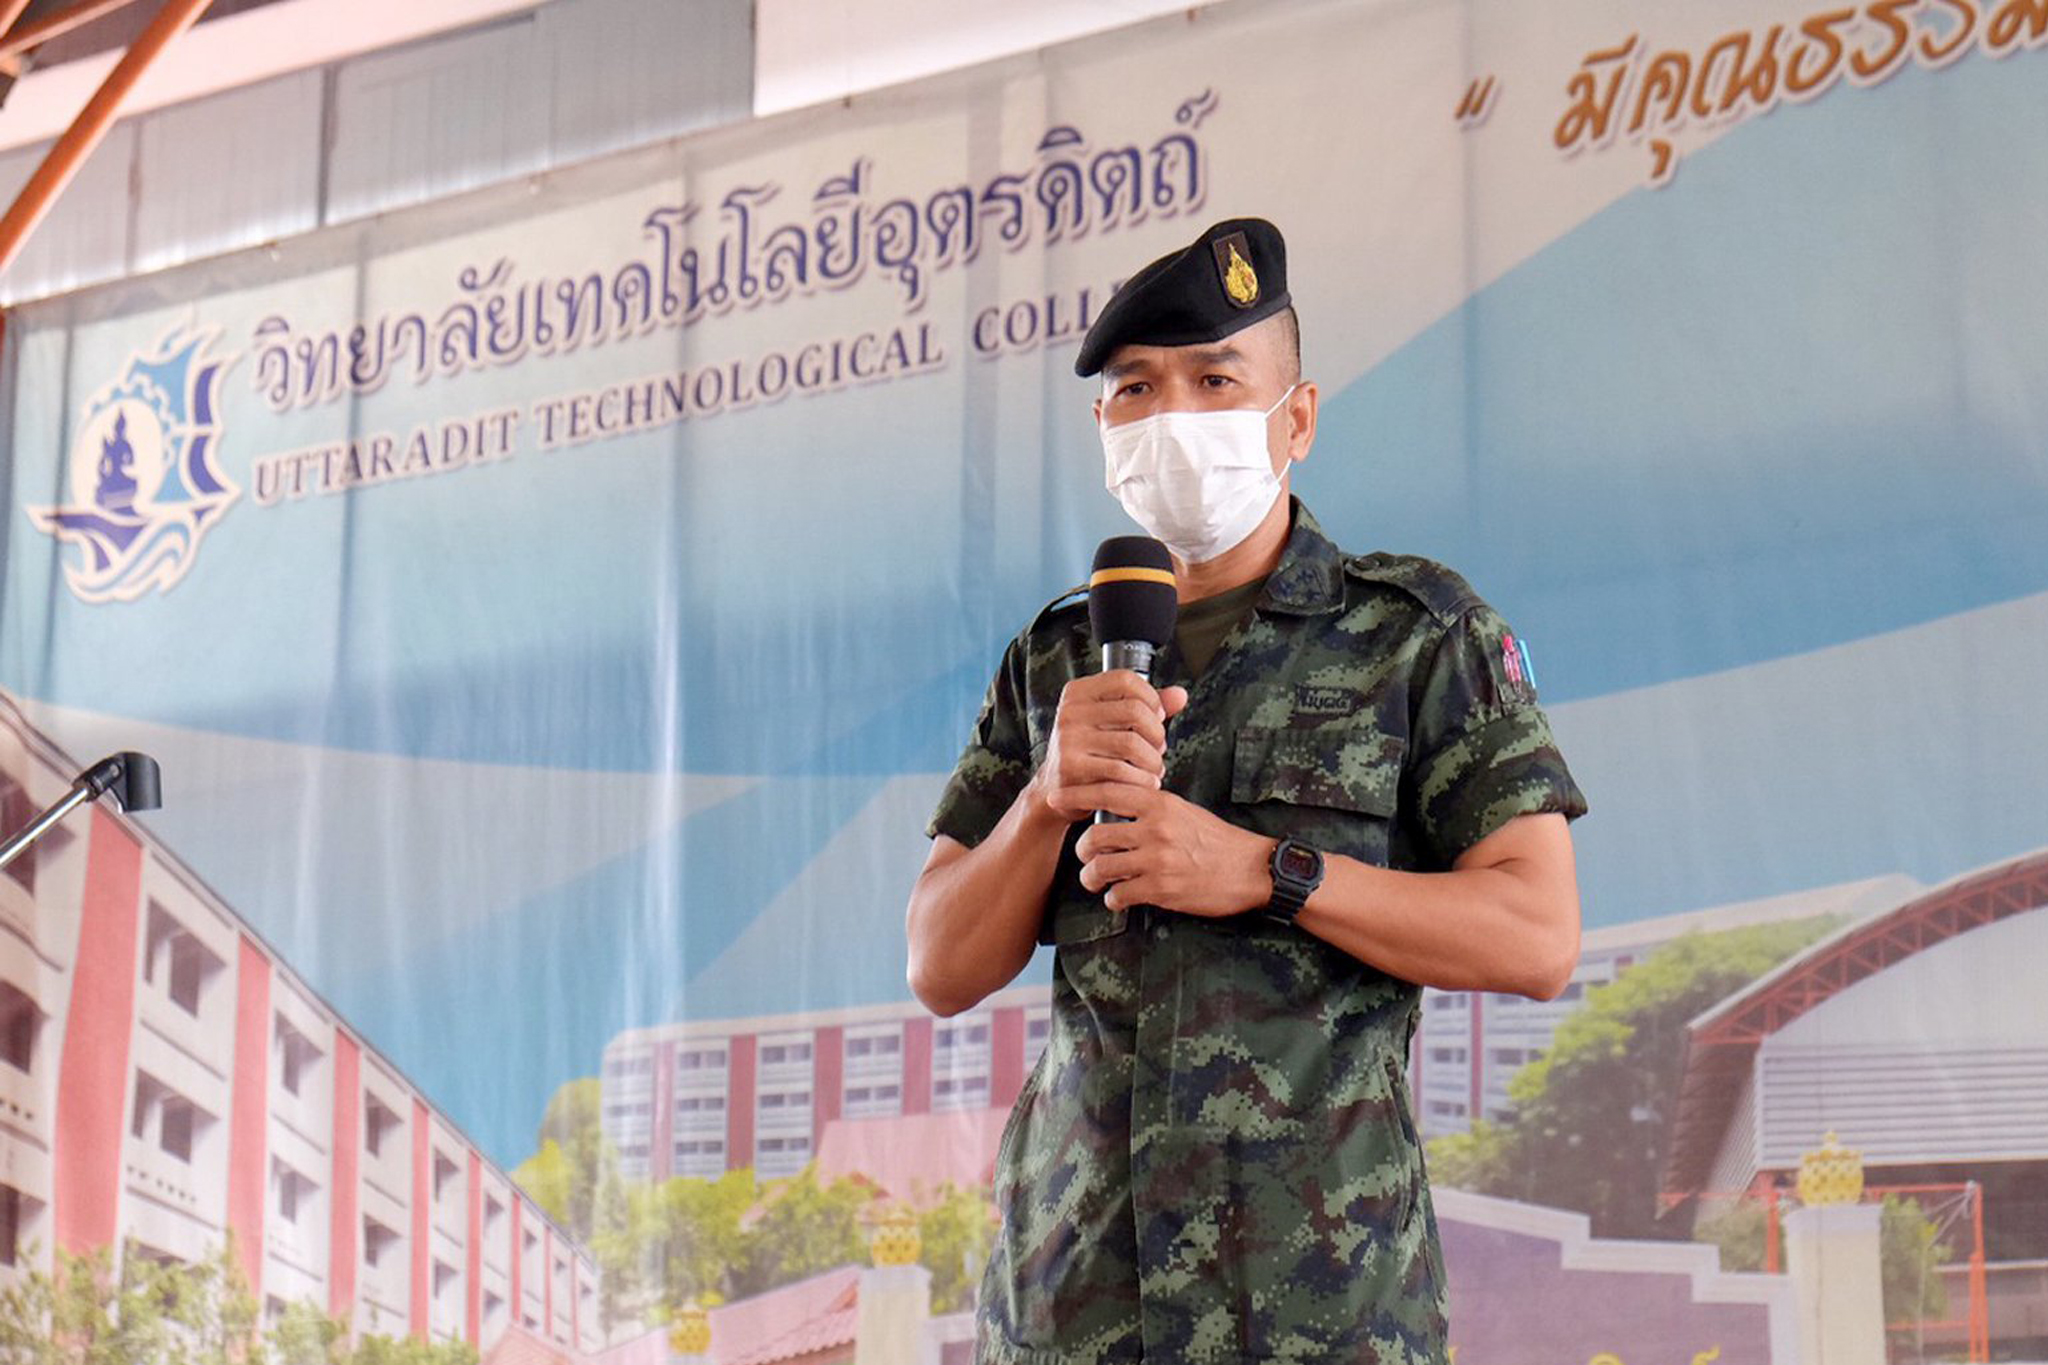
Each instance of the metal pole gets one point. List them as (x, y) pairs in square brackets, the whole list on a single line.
[(41, 29), (1771, 1229), (90, 126), (1980, 1307), (10, 10), (80, 793)]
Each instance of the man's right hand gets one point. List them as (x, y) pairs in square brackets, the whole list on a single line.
[(1109, 728), (975, 913)]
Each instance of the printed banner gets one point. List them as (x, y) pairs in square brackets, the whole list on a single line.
[(557, 610)]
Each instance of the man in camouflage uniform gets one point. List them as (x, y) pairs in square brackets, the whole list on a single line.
[(1214, 1159)]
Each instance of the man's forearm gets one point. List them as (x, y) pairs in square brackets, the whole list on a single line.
[(974, 913), (1503, 927), (1505, 917)]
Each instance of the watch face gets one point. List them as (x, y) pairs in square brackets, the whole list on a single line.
[(1298, 862)]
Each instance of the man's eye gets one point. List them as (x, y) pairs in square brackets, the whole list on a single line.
[(1133, 388), (1216, 381)]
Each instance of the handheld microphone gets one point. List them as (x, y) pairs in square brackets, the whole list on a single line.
[(1131, 607)]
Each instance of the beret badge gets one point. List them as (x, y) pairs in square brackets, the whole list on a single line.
[(1231, 277), (1240, 281)]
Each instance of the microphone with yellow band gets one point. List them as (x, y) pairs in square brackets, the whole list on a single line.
[(1131, 606)]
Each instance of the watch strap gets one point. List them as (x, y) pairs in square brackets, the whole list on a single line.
[(1297, 871)]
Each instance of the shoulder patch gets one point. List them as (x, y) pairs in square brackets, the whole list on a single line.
[(1442, 590), (1072, 597)]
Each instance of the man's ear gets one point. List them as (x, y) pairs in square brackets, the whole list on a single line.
[(1302, 405), (1096, 409)]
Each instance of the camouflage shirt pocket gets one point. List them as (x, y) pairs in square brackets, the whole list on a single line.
[(1335, 786), (1081, 918)]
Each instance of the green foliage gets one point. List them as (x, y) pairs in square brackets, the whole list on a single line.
[(306, 1336), (548, 1179), (804, 1228), (303, 1335), (573, 1176), (162, 1313), (573, 1121), (702, 1236), (565, 1174), (659, 1246), (1739, 1229), (1593, 1113), (169, 1313), (627, 1215), (408, 1351), (1473, 1160), (1911, 1252), (710, 1241), (957, 1233), (573, 1112)]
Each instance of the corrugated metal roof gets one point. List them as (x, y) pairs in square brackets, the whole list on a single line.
[(1722, 1043), (828, 1332), (520, 1347), (789, 1322)]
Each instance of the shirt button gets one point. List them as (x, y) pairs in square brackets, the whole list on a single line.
[(1159, 930)]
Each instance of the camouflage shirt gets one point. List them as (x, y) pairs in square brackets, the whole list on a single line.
[(1214, 1159)]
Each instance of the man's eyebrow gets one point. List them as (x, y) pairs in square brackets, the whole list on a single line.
[(1206, 355)]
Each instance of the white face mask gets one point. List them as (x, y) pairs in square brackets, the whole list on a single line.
[(1199, 481)]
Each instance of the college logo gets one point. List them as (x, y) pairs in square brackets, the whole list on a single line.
[(145, 486)]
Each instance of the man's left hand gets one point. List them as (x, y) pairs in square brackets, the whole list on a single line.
[(1173, 854)]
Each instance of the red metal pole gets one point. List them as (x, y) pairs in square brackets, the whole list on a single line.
[(1980, 1305), (90, 126), (1771, 1230), (45, 27), (10, 10)]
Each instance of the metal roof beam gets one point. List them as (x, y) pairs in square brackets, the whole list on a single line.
[(40, 30), (78, 141)]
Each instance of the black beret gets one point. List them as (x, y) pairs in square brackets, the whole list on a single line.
[(1234, 275)]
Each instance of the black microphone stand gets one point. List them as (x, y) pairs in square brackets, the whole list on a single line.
[(134, 779)]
